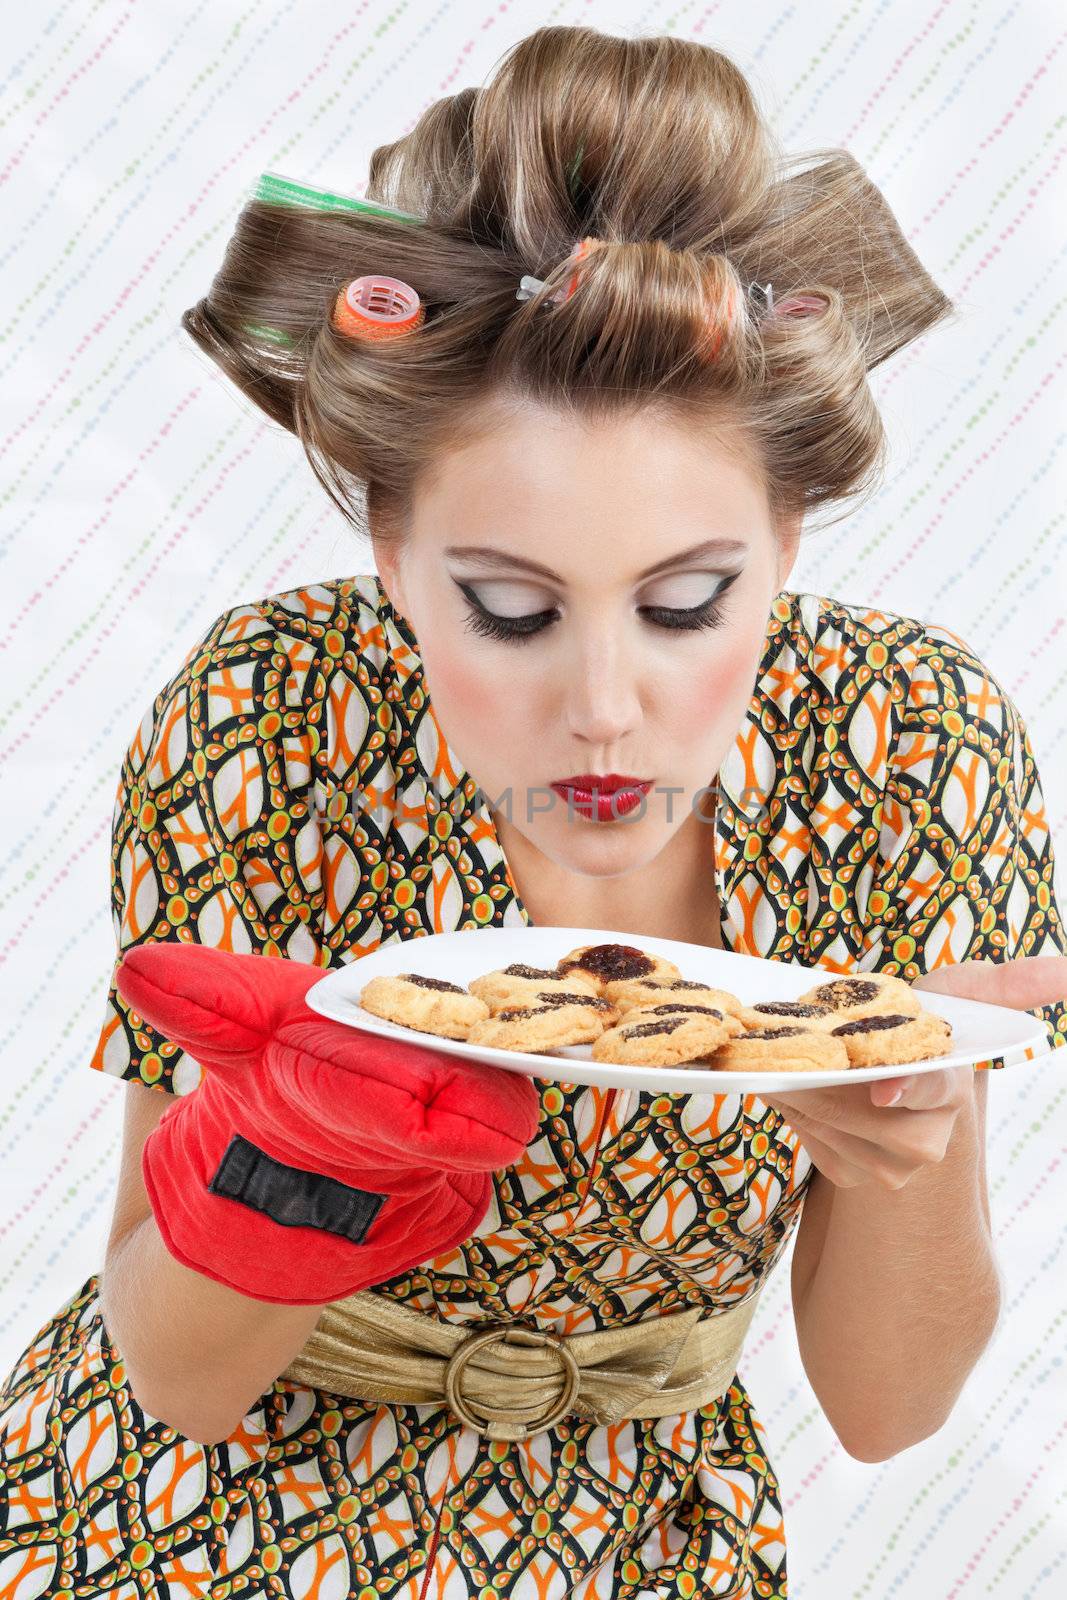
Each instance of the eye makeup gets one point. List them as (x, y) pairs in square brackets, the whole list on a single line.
[(517, 629)]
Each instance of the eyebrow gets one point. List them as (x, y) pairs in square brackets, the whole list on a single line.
[(500, 558)]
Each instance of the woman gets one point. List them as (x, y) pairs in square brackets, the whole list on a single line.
[(585, 507)]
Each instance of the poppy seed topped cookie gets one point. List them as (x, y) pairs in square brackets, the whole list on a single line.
[(862, 996)]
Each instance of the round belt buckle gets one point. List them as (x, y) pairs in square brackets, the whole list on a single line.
[(508, 1333)]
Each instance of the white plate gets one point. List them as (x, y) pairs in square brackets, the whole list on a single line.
[(979, 1031)]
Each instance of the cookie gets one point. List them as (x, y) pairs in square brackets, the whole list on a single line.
[(789, 1013), (429, 1004), (609, 963), (607, 1014), (785, 1049), (537, 1028), (627, 992), (666, 1041), (864, 995), (887, 1037), (671, 1008), (517, 984)]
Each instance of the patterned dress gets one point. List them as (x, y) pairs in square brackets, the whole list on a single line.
[(880, 810)]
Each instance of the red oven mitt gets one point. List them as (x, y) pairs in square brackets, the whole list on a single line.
[(313, 1159)]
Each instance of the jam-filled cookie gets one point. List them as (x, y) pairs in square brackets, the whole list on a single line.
[(610, 963), (627, 992), (542, 996), (785, 1049), (671, 1008), (789, 1013), (429, 1004), (886, 1038), (538, 1028), (517, 984), (865, 995), (594, 1003), (662, 1041)]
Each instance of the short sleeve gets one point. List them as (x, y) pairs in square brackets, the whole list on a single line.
[(966, 863), (215, 837)]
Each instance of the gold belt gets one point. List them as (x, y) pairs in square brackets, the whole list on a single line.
[(508, 1380)]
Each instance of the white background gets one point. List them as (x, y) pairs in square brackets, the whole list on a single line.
[(139, 496)]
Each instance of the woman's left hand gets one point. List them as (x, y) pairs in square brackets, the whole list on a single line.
[(884, 1132)]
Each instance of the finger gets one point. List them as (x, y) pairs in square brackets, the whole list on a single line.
[(850, 1162), (868, 1108), (889, 1091), (892, 1142), (949, 1088), (923, 1091), (847, 1106), (834, 1166), (1024, 982)]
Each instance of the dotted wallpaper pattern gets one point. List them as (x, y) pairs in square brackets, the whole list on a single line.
[(139, 495)]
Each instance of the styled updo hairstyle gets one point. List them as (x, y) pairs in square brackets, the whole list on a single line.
[(654, 146)]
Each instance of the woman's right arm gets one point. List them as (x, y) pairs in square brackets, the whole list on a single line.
[(198, 1355)]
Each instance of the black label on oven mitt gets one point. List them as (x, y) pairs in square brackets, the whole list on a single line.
[(292, 1197)]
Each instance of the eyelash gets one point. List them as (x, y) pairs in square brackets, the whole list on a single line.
[(516, 630)]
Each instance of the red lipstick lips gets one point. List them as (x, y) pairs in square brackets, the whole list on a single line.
[(605, 796)]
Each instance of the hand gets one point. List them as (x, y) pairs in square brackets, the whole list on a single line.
[(878, 1133), (883, 1133)]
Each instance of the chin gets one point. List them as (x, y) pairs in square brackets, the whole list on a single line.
[(605, 849)]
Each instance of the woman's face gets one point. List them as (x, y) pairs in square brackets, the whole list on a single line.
[(553, 651)]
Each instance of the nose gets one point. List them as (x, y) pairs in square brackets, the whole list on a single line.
[(602, 694)]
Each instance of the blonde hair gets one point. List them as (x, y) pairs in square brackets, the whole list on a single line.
[(654, 146)]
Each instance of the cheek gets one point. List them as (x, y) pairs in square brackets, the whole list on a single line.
[(468, 698), (716, 695), (455, 684)]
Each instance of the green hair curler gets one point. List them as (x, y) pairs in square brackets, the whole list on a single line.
[(278, 190)]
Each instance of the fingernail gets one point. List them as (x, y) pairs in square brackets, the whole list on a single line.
[(893, 1098)]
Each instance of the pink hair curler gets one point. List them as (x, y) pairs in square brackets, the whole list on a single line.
[(800, 305), (377, 307), (794, 305)]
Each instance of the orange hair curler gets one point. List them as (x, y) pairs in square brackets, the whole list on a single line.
[(528, 286), (712, 344)]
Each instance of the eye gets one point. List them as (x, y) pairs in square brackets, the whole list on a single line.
[(708, 614), (510, 629)]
